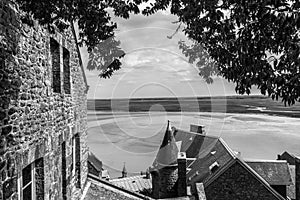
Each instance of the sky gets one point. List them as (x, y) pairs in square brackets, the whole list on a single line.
[(153, 65)]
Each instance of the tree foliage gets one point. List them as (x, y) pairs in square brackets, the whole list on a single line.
[(251, 43), (95, 26)]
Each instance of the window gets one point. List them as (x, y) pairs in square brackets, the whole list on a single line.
[(32, 181), (213, 167), (76, 159), (64, 170), (66, 61), (55, 58)]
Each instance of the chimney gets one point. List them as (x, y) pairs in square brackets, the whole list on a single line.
[(147, 174), (297, 177), (182, 183), (197, 129), (155, 183)]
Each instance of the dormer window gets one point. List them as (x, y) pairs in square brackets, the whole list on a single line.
[(213, 167)]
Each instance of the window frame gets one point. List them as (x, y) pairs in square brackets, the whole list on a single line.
[(32, 182)]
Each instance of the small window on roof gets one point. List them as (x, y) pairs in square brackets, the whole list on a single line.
[(213, 167)]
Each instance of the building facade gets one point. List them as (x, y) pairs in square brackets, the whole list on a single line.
[(43, 151)]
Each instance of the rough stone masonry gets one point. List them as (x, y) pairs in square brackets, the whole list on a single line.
[(43, 151)]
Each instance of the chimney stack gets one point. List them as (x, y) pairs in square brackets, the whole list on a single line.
[(147, 174), (197, 129), (297, 177), (182, 183)]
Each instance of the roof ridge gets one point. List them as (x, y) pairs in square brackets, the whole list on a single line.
[(228, 148), (262, 180), (265, 160), (247, 167), (126, 178)]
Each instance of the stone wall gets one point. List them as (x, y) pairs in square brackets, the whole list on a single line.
[(297, 178), (164, 182), (237, 183), (34, 120)]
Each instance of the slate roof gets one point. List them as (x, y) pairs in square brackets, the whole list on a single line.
[(205, 150), (100, 189), (273, 171), (291, 188), (134, 183)]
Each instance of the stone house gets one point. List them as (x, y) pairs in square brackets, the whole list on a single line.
[(193, 165), (206, 168), (43, 151), (293, 191)]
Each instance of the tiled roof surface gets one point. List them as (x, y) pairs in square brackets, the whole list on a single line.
[(291, 188), (100, 189), (206, 150), (134, 183), (274, 172)]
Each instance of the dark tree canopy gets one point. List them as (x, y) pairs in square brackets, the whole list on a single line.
[(251, 43)]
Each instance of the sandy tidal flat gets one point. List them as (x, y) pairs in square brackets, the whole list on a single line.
[(134, 138)]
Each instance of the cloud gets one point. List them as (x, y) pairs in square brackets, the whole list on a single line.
[(153, 64)]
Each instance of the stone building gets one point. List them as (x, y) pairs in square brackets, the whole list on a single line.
[(43, 151), (193, 165), (293, 191)]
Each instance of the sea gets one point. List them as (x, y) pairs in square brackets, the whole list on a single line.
[(129, 131)]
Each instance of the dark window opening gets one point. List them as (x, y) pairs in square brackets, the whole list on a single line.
[(77, 161), (214, 167), (33, 181), (66, 61), (55, 58), (64, 170)]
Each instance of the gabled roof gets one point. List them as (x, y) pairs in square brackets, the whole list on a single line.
[(206, 151), (101, 189), (273, 171), (138, 183), (210, 151), (250, 170)]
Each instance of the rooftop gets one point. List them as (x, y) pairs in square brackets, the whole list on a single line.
[(100, 189), (134, 183), (274, 172)]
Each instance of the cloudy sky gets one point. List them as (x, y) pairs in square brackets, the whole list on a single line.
[(153, 65)]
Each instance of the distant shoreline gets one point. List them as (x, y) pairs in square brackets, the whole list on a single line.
[(253, 104)]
